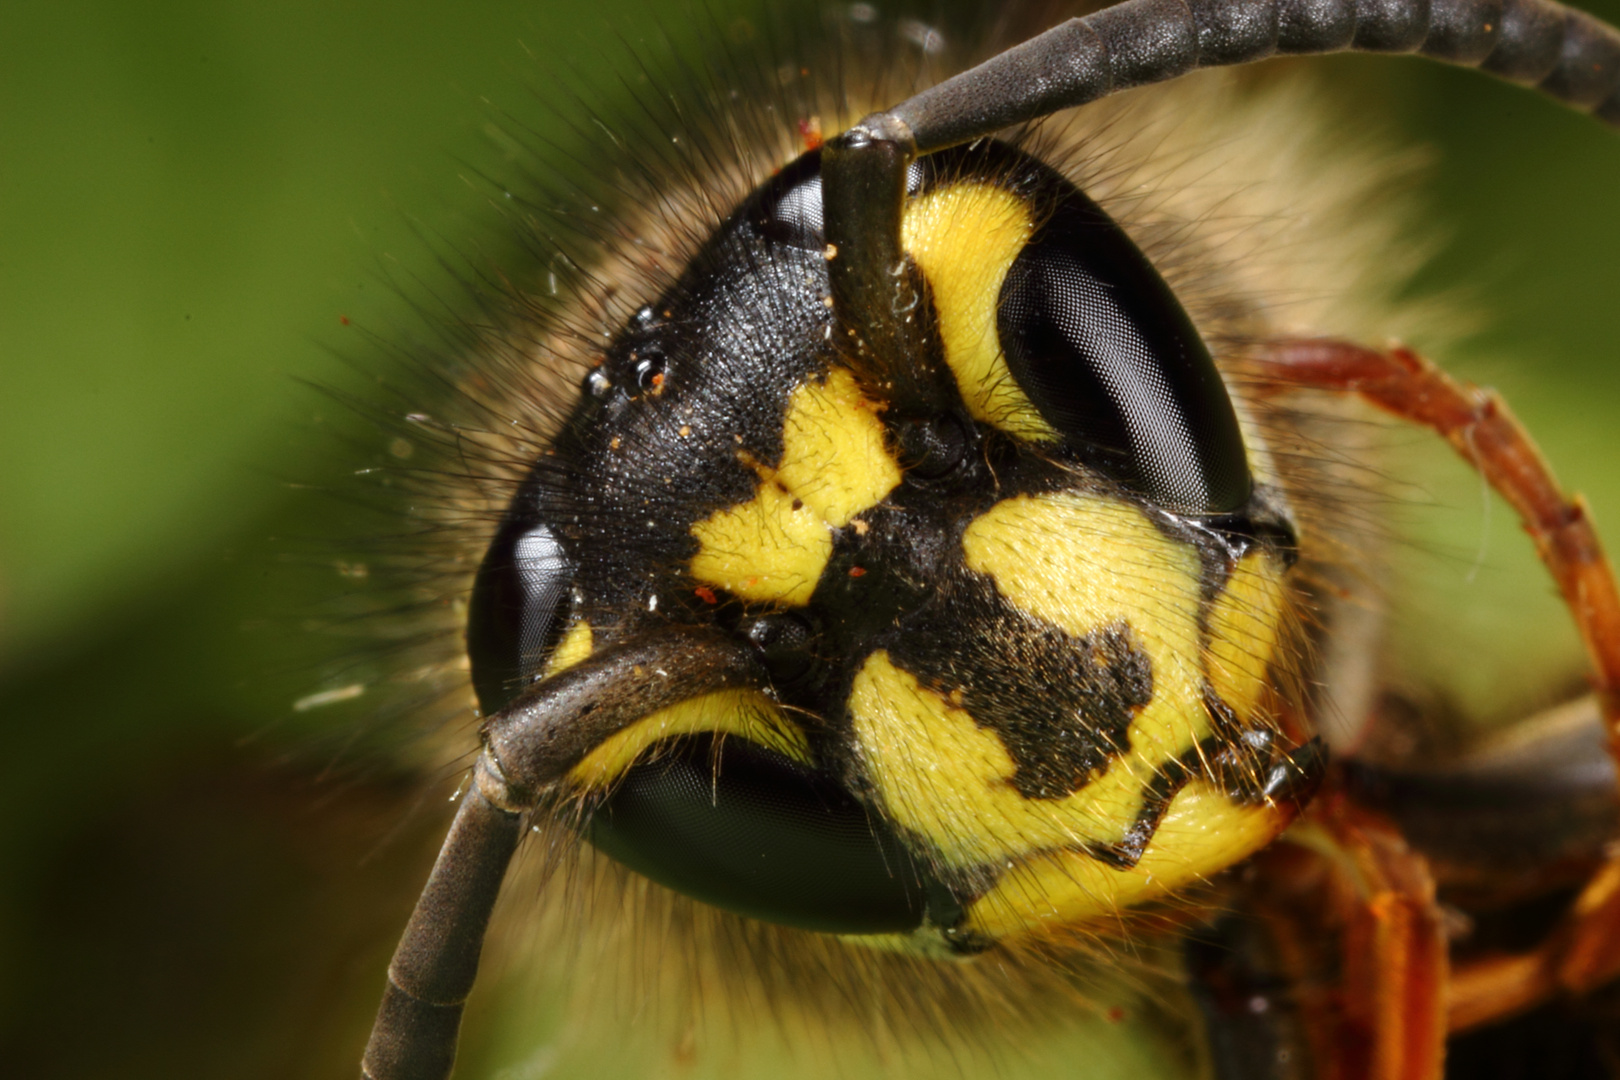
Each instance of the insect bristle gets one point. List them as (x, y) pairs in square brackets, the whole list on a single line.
[(653, 981)]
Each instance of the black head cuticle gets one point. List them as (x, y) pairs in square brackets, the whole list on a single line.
[(783, 641), (933, 448)]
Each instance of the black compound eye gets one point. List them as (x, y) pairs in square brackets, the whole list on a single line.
[(795, 218), (788, 209), (744, 828), (512, 618), (1109, 358)]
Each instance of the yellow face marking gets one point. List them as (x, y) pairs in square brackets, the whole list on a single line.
[(965, 237), (1082, 563), (745, 714), (943, 777), (764, 549), (835, 465), (1201, 833), (835, 454), (575, 646), (1243, 628)]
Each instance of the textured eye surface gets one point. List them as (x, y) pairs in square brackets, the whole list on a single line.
[(790, 210), (512, 616), (754, 832), (1109, 358)]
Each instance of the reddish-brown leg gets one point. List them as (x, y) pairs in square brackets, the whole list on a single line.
[(1363, 906), (1585, 950)]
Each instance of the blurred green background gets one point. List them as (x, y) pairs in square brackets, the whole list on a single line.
[(194, 197)]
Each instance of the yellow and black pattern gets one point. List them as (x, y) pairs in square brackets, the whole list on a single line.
[(1019, 647), (964, 237), (834, 465)]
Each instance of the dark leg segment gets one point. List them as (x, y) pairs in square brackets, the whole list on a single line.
[(1345, 927), (1290, 782), (1480, 428)]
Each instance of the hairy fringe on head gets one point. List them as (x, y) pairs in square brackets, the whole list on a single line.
[(1260, 228)]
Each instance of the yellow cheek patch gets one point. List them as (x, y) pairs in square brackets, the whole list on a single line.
[(965, 238), (835, 464), (575, 646), (1243, 627), (745, 714), (941, 776), (1083, 563), (1201, 833)]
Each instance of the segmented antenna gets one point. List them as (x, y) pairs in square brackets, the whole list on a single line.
[(1562, 52)]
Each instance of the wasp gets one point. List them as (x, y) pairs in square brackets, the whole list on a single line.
[(927, 566)]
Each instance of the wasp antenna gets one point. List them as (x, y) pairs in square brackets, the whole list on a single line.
[(527, 748), (432, 972), (876, 291), (1565, 53)]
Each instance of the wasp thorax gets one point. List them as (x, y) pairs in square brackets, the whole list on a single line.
[(1017, 631)]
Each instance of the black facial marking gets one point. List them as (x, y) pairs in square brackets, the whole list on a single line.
[(1248, 764), (1157, 796), (936, 447), (1227, 538), (784, 642), (692, 390), (1061, 705)]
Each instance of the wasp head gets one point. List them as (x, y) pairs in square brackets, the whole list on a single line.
[(1016, 595)]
